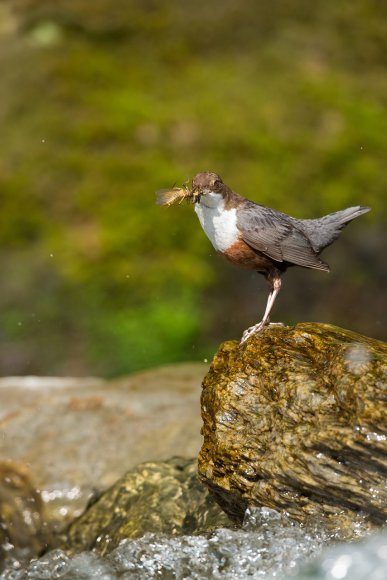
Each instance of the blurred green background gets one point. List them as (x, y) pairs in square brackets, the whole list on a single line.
[(104, 102)]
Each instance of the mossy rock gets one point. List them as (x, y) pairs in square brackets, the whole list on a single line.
[(160, 497), (295, 420)]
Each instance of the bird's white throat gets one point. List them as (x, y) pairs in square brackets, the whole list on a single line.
[(218, 223)]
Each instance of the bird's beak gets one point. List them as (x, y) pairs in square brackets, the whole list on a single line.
[(195, 194)]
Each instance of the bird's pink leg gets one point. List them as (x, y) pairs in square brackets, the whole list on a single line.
[(275, 287)]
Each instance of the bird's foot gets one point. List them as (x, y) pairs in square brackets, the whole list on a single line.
[(257, 328), (253, 330)]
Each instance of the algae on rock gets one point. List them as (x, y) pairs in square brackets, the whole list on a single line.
[(296, 420), (163, 497)]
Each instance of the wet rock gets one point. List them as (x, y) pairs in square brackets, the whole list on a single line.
[(296, 420), (164, 497), (21, 517), (78, 436)]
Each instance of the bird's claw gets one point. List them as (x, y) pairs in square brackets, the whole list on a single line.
[(257, 328), (252, 330)]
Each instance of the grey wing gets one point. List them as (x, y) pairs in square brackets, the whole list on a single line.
[(276, 235)]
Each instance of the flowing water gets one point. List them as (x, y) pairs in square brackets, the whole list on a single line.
[(268, 546)]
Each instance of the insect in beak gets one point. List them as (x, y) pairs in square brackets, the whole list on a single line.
[(177, 195), (174, 195)]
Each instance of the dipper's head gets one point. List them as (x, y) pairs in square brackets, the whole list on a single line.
[(206, 183)]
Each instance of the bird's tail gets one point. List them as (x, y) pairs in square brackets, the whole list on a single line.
[(325, 230)]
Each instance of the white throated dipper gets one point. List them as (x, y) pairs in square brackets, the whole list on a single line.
[(260, 238)]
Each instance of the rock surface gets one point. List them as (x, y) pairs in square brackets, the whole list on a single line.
[(78, 436), (21, 514), (296, 420), (164, 497)]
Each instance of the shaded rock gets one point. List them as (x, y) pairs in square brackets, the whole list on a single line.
[(164, 497), (21, 518), (296, 420), (79, 436)]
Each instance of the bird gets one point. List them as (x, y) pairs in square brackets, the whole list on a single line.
[(263, 239)]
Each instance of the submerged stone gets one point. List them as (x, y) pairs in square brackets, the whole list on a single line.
[(296, 420), (159, 497)]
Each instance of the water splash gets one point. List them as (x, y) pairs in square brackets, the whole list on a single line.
[(356, 561), (268, 546)]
